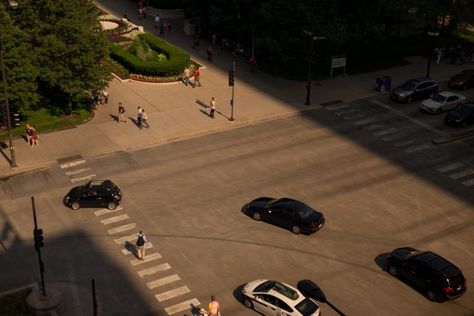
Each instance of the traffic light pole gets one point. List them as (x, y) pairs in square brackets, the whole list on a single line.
[(233, 85), (38, 244)]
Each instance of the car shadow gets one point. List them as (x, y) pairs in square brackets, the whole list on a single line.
[(131, 248), (237, 293)]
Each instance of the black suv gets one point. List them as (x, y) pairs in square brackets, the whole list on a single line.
[(419, 88), (436, 277), (96, 193), (462, 115)]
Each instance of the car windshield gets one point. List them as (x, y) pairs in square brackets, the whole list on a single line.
[(265, 286), (409, 85), (438, 98), (306, 307)]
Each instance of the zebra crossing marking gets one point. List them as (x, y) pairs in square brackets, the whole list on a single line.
[(461, 174), (405, 142), (114, 219), (148, 258), (468, 183), (148, 245), (172, 293), (337, 106), (163, 281), (373, 126), (346, 111), (70, 173), (173, 309), (352, 117), (393, 137), (418, 148), (451, 167), (74, 180), (365, 121), (385, 132), (107, 211), (156, 269), (72, 164), (122, 228)]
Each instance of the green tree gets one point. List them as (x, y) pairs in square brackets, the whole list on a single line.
[(19, 63), (68, 45)]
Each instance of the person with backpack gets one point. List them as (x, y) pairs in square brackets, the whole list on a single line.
[(121, 111), (140, 244), (145, 119)]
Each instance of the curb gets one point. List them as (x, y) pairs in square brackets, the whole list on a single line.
[(18, 289), (455, 137)]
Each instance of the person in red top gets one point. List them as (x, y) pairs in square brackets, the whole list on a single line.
[(197, 77)]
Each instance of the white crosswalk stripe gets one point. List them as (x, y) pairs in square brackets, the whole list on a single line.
[(373, 127), (172, 293), (91, 176), (148, 245), (365, 121), (353, 117), (70, 173), (393, 137), (468, 183), (336, 106), (123, 239), (72, 164), (123, 228), (182, 306), (385, 132), (462, 174), (148, 258), (405, 142), (163, 281), (114, 219), (345, 111), (418, 148), (451, 167), (107, 211), (153, 270)]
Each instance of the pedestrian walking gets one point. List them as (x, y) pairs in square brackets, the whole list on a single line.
[(139, 117), (34, 137), (157, 21), (165, 28), (121, 111), (140, 244), (209, 53), (213, 309), (213, 107), (197, 77), (253, 63), (29, 133), (186, 74), (145, 119), (105, 94)]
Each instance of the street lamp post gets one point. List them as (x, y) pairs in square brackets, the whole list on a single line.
[(432, 36), (7, 106), (310, 289)]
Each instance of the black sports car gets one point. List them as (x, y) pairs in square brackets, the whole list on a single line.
[(287, 213), (96, 193)]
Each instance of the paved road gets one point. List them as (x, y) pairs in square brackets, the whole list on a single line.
[(376, 192)]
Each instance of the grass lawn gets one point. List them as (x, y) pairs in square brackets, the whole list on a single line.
[(45, 122), (15, 304)]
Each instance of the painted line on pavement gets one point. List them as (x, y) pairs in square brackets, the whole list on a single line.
[(346, 111), (163, 281), (461, 174), (123, 239), (172, 293), (336, 106), (405, 142), (418, 148), (107, 211), (114, 219), (468, 183), (70, 173), (353, 117), (83, 178), (72, 164), (148, 245), (123, 228), (385, 132), (393, 137), (173, 309), (156, 269), (365, 121), (451, 167), (373, 126), (148, 258)]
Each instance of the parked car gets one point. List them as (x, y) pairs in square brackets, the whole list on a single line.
[(277, 298), (414, 89), (96, 193), (462, 115), (462, 80), (287, 213), (436, 277), (442, 101)]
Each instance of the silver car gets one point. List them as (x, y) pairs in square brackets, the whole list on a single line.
[(441, 102)]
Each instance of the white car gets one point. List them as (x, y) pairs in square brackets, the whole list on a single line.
[(442, 101), (273, 298)]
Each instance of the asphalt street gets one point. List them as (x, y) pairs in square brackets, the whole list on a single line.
[(377, 177)]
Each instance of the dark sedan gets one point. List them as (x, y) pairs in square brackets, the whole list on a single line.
[(462, 115), (462, 80), (96, 193), (287, 213)]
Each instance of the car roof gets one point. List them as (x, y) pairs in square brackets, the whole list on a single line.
[(438, 263), (449, 94), (284, 292)]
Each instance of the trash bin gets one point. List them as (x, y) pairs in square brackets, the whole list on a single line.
[(383, 83)]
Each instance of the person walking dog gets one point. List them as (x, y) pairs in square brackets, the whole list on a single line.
[(140, 244)]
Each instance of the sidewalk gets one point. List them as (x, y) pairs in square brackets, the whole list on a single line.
[(174, 114)]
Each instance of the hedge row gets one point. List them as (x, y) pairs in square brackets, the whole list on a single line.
[(174, 64)]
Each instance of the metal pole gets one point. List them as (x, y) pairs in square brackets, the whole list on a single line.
[(232, 100), (310, 59), (432, 35), (9, 123), (335, 308), (38, 250), (94, 299)]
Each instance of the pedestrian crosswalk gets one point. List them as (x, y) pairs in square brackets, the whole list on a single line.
[(76, 169), (408, 144)]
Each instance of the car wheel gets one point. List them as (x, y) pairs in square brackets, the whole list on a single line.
[(431, 295), (257, 216), (408, 100), (296, 229), (248, 303), (75, 205), (111, 206), (393, 270)]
